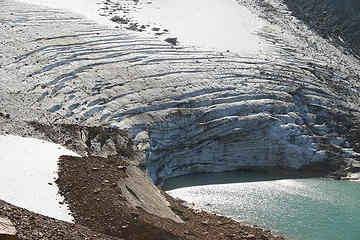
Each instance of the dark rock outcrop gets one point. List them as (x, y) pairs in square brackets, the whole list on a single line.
[(338, 20)]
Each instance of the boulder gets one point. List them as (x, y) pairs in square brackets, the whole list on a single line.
[(172, 41), (7, 230)]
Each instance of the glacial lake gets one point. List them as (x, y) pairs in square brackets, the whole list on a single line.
[(298, 209)]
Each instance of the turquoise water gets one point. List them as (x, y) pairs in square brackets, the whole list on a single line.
[(299, 209)]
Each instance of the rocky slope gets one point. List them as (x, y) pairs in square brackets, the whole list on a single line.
[(30, 225), (111, 196), (337, 20)]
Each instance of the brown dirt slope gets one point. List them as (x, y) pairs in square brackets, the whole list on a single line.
[(34, 226), (93, 188)]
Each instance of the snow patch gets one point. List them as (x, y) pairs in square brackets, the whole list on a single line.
[(86, 8), (27, 174), (221, 25), (216, 24)]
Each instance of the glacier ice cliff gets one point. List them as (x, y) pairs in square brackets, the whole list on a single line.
[(189, 110)]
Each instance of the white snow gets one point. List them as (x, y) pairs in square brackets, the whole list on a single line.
[(27, 166), (216, 24), (354, 177), (87, 8), (222, 25)]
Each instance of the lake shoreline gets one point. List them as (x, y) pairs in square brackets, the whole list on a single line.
[(296, 208)]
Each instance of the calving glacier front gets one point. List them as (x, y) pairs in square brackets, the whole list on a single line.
[(188, 109), (247, 133)]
